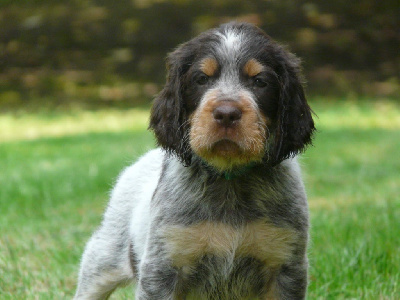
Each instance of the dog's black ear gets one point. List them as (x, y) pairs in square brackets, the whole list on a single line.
[(295, 125), (168, 118)]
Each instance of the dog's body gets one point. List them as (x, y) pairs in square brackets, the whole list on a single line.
[(219, 212)]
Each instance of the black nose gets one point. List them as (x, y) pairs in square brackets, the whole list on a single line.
[(227, 115)]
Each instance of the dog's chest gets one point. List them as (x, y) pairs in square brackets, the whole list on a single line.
[(217, 256), (260, 240)]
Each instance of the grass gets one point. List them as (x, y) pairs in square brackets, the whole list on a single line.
[(57, 170), (353, 182)]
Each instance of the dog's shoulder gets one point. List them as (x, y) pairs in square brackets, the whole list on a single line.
[(292, 167), (140, 176), (146, 165)]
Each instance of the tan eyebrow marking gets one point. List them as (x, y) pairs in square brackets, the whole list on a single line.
[(209, 66), (253, 67)]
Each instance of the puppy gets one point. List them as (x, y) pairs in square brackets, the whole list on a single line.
[(219, 211)]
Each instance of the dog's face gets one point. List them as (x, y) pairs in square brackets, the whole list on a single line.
[(232, 97)]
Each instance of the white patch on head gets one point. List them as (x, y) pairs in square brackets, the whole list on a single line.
[(232, 41)]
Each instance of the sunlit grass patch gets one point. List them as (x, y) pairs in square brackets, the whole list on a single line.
[(32, 126), (357, 114)]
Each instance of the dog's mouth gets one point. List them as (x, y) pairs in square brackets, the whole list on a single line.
[(226, 147)]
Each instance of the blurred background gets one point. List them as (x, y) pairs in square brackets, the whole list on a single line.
[(76, 81), (106, 52)]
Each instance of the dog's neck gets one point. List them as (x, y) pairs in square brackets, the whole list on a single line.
[(231, 174), (238, 171)]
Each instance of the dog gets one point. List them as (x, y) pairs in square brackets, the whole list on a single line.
[(219, 210)]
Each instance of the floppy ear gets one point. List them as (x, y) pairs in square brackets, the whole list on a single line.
[(168, 116), (295, 125)]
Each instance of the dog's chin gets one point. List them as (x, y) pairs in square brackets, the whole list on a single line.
[(226, 155), (226, 148)]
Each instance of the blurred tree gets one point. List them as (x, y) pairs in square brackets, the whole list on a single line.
[(73, 49)]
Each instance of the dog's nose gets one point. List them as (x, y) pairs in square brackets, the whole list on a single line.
[(227, 115)]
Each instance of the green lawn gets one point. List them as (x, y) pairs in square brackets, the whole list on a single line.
[(57, 170)]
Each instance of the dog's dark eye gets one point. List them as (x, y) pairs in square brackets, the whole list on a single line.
[(202, 79), (260, 82)]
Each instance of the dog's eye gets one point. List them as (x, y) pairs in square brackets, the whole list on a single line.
[(260, 82), (202, 79)]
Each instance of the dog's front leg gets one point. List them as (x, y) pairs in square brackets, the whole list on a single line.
[(291, 282), (157, 281)]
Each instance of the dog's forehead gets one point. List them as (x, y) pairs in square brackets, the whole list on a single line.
[(231, 41), (232, 45)]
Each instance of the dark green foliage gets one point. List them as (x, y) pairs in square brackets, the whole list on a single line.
[(94, 50)]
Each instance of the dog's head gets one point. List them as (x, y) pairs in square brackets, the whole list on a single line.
[(233, 96)]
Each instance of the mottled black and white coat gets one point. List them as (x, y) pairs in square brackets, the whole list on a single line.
[(219, 211)]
